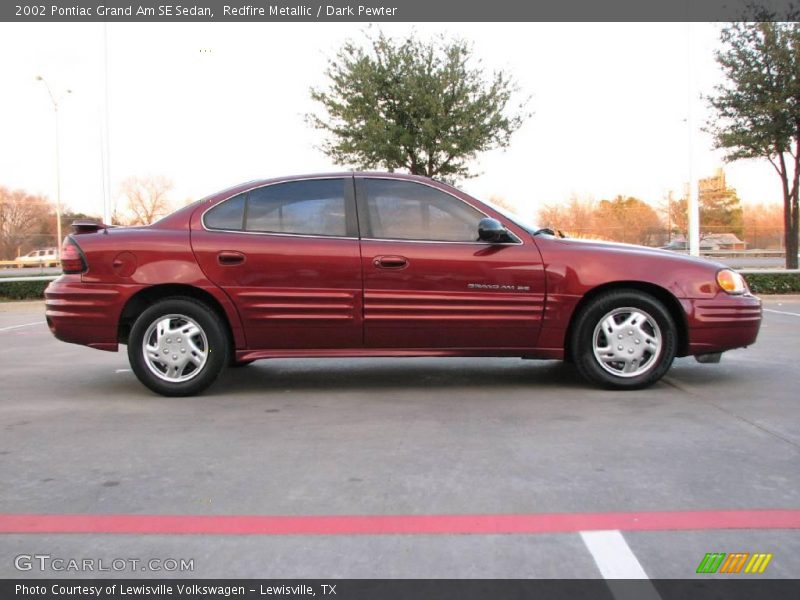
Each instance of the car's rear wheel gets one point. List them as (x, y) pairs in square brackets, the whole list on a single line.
[(178, 347), (624, 339)]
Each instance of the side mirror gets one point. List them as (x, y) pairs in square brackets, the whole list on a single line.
[(492, 230)]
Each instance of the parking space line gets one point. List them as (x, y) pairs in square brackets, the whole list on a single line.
[(20, 326), (780, 312), (613, 556), (476, 524), (615, 560)]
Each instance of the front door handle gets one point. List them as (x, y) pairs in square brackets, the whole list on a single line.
[(228, 258), (390, 262)]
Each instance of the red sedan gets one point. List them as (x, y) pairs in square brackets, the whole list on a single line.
[(376, 264)]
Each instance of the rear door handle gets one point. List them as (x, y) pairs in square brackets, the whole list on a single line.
[(228, 258), (390, 262)]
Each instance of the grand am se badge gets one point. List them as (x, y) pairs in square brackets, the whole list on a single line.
[(500, 287)]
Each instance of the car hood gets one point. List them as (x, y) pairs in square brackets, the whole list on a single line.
[(643, 251)]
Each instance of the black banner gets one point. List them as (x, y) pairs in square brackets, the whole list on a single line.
[(439, 589), (397, 10)]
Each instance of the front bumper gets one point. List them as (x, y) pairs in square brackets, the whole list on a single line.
[(722, 323)]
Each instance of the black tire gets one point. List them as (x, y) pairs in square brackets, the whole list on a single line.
[(241, 363), (215, 344), (654, 345)]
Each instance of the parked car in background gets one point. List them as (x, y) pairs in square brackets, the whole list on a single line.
[(382, 264), (43, 257), (709, 243)]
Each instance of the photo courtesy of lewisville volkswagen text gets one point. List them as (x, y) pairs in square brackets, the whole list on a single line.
[(402, 300)]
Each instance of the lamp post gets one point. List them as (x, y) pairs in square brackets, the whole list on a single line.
[(55, 102), (692, 202)]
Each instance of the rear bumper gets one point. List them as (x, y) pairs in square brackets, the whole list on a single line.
[(85, 313), (722, 323)]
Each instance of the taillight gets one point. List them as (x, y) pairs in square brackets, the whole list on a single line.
[(72, 260)]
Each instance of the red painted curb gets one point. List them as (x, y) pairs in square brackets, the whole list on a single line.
[(399, 524)]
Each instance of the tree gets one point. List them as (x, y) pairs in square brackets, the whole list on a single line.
[(146, 198), (628, 220), (763, 225), (575, 218), (721, 214), (424, 106), (676, 213), (503, 204), (24, 222), (720, 208), (757, 108)]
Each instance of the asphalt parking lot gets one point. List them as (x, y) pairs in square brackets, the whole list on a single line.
[(399, 438)]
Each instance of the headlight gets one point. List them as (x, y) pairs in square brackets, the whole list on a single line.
[(731, 282)]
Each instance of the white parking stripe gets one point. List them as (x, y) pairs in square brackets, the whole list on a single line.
[(613, 556), (781, 312), (19, 326), (616, 560)]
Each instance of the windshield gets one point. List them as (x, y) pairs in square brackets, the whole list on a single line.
[(514, 218)]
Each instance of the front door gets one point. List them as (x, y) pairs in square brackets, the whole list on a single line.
[(428, 282), (288, 255)]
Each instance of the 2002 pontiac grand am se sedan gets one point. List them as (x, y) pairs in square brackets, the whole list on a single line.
[(374, 264)]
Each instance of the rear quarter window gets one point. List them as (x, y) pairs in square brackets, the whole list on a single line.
[(228, 215)]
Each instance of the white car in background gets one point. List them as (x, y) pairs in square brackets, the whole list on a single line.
[(43, 257)]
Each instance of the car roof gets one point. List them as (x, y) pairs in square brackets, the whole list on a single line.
[(179, 215), (255, 183)]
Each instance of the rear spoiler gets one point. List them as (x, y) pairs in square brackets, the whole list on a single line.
[(89, 226)]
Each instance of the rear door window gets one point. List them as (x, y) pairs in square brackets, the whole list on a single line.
[(310, 207)]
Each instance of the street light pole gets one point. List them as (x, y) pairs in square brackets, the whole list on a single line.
[(692, 202), (55, 102)]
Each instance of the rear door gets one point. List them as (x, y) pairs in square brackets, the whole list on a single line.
[(428, 282), (288, 255)]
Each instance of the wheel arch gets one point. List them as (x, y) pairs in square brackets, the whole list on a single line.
[(149, 295), (669, 300)]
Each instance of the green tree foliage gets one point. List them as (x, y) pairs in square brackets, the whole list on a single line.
[(721, 214), (757, 108), (424, 106)]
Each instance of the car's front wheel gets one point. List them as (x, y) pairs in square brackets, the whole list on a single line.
[(624, 339), (178, 347), (237, 364)]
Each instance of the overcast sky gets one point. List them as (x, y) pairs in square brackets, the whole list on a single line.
[(212, 104)]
